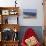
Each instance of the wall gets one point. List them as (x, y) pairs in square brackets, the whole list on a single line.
[(27, 4), (32, 4)]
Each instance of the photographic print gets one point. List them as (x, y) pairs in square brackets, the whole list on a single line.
[(29, 13), (5, 12)]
